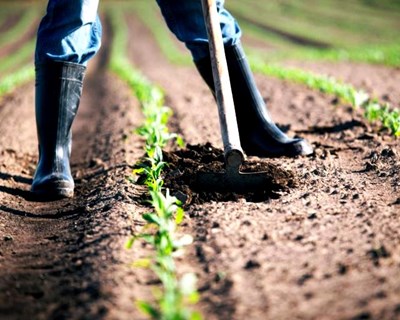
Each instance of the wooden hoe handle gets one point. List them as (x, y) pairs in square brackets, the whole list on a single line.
[(223, 91)]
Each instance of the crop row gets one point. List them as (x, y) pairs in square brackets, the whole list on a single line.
[(15, 67), (162, 223), (374, 111), (161, 226), (386, 54), (327, 22), (298, 29), (14, 80), (147, 14), (26, 21)]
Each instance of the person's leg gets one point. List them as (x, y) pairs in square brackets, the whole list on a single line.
[(258, 133), (69, 35), (69, 32), (185, 19)]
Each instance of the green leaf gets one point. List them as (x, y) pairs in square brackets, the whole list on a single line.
[(142, 263), (158, 155), (179, 141), (148, 309), (180, 215), (129, 243), (151, 218), (196, 316), (149, 238), (194, 298)]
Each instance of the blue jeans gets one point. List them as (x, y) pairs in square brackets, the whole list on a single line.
[(71, 29)]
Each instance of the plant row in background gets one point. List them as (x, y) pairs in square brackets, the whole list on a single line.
[(345, 26), (25, 22), (385, 54), (374, 111), (147, 13), (15, 68), (19, 77), (300, 29), (161, 226)]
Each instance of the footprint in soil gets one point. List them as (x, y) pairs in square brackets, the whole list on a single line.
[(185, 165)]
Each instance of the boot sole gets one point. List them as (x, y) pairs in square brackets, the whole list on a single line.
[(53, 194), (53, 191)]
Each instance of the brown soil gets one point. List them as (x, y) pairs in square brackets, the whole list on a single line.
[(185, 167), (323, 244)]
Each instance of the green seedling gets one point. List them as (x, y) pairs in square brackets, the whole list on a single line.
[(374, 111), (161, 223), (390, 119)]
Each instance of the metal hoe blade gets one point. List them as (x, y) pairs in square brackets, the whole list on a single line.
[(232, 179)]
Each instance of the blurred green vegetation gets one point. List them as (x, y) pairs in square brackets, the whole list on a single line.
[(357, 30), (344, 24), (335, 30)]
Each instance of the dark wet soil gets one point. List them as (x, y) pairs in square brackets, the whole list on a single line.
[(185, 167)]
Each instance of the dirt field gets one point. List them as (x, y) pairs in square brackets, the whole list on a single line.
[(326, 248)]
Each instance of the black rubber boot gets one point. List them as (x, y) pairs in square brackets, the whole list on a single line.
[(259, 136), (58, 92)]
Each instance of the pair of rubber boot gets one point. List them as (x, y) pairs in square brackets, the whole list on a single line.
[(58, 92)]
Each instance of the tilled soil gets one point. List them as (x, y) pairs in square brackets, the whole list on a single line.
[(323, 245), (66, 259)]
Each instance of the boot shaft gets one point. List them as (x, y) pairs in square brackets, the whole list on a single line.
[(249, 105), (58, 91), (259, 135)]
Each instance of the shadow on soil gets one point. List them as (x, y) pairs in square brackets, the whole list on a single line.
[(348, 125)]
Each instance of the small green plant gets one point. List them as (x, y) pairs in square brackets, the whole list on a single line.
[(390, 119), (164, 220), (161, 223), (373, 110), (176, 294)]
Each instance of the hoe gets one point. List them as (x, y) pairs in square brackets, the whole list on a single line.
[(231, 179)]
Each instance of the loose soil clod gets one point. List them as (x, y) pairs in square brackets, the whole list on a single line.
[(186, 164)]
